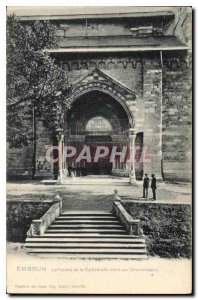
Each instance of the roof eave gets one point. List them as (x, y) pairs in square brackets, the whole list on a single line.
[(116, 49), (163, 14)]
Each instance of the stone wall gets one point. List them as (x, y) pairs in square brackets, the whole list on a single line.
[(19, 160), (152, 95), (177, 118), (126, 69)]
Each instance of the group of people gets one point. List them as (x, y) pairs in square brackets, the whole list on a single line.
[(146, 186), (76, 171)]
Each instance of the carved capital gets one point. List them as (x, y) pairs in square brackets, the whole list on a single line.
[(131, 134)]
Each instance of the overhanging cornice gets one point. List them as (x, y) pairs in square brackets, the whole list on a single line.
[(146, 14), (116, 49)]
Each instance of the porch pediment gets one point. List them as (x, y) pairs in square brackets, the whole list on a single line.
[(96, 79)]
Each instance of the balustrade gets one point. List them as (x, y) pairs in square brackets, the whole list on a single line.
[(131, 225), (38, 227)]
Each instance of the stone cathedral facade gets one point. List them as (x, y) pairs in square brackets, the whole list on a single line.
[(130, 76)]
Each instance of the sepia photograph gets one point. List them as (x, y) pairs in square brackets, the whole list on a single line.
[(99, 149)]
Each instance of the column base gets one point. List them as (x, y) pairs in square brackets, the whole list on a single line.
[(159, 178), (59, 180), (133, 183), (62, 178), (132, 179)]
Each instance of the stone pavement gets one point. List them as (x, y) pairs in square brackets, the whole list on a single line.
[(97, 195)]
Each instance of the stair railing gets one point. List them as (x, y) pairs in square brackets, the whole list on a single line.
[(39, 226), (132, 226)]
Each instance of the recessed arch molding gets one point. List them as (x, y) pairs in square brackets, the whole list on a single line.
[(96, 80)]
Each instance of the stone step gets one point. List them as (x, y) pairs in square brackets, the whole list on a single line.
[(84, 230), (83, 225), (89, 256), (86, 213), (82, 251), (84, 218), (92, 240), (96, 181), (66, 245), (69, 222), (85, 235)]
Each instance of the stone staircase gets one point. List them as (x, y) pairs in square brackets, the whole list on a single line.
[(87, 234)]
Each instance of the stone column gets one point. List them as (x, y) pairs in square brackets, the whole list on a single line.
[(63, 154), (64, 162), (131, 138), (60, 158)]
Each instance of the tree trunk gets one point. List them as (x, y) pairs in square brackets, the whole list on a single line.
[(33, 143)]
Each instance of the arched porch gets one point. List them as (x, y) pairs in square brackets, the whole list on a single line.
[(93, 98)]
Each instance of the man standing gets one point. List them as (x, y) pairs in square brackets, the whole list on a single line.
[(145, 186), (153, 186)]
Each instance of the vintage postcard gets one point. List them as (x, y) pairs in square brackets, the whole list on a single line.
[(99, 150)]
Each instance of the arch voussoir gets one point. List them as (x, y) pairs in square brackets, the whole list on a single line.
[(120, 95)]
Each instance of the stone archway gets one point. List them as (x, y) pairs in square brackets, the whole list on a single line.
[(91, 107), (97, 94), (96, 80)]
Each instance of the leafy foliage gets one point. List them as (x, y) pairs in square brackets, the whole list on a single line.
[(33, 77), (167, 228)]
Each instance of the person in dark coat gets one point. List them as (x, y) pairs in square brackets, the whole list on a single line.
[(153, 186), (69, 170), (145, 186)]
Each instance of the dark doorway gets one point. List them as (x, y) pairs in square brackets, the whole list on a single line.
[(103, 166)]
